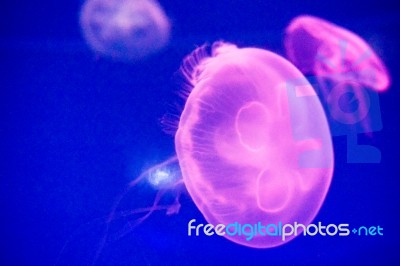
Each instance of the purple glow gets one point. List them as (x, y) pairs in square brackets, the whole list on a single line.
[(125, 30), (242, 137)]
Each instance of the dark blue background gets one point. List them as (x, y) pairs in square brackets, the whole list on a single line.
[(75, 129)]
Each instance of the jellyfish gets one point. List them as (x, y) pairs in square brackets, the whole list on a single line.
[(162, 180), (253, 141), (252, 146), (321, 48), (348, 75), (124, 30)]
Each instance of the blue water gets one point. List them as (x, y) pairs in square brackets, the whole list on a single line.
[(75, 129)]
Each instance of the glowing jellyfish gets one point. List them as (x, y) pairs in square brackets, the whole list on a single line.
[(164, 178), (342, 62), (349, 74), (125, 30), (319, 47), (253, 142)]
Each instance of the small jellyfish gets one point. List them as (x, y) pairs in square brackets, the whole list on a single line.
[(166, 179), (125, 30), (253, 141), (321, 48), (348, 75), (163, 179)]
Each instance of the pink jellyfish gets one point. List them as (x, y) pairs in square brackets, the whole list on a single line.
[(125, 30), (319, 47), (253, 141), (342, 62), (253, 146), (349, 74)]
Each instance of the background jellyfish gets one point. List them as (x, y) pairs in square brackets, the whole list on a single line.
[(347, 72), (252, 127), (125, 30), (319, 47)]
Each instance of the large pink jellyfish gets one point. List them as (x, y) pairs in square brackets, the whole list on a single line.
[(253, 141), (125, 30), (349, 74)]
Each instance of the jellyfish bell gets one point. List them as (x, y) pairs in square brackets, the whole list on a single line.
[(322, 48), (164, 178), (253, 141), (159, 178), (124, 30), (342, 63)]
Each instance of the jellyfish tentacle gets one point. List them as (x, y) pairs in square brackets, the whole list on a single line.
[(148, 211)]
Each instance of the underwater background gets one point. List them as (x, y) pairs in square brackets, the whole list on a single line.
[(76, 128)]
